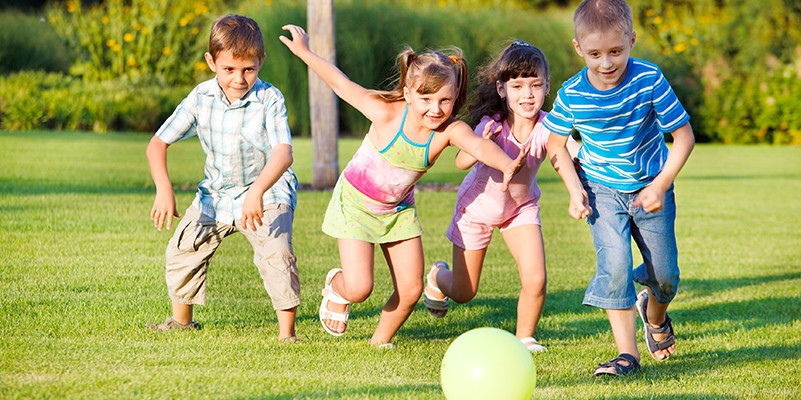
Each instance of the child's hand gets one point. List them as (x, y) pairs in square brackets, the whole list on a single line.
[(651, 198), (517, 164), (300, 39), (163, 210), (579, 207), (490, 133), (252, 210)]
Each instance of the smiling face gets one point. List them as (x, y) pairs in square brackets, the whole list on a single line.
[(236, 76), (606, 55), (524, 96), (431, 109)]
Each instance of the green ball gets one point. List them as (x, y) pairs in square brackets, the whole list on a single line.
[(488, 363)]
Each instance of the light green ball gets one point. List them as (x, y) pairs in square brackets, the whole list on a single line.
[(488, 363)]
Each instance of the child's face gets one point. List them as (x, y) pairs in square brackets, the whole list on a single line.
[(431, 109), (606, 55), (236, 76), (524, 96)]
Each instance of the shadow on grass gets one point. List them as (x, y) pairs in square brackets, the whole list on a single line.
[(369, 392)]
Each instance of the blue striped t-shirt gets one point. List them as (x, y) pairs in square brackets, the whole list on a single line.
[(238, 139), (622, 129)]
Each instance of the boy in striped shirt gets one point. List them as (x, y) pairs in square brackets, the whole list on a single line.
[(249, 186), (622, 107)]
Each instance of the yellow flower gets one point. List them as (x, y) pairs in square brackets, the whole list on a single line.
[(679, 47), (111, 43), (131, 62), (200, 65), (71, 7), (117, 48), (128, 37), (650, 12), (104, 20), (268, 3), (666, 51), (195, 30), (657, 20), (183, 22), (145, 31), (137, 26), (166, 51), (694, 41)]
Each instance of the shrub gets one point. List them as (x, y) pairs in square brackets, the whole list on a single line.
[(30, 43), (132, 39)]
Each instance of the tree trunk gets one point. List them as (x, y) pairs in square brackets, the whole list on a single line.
[(322, 100)]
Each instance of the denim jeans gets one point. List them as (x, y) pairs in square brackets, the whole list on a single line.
[(614, 223)]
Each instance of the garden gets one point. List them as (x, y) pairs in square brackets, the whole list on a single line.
[(84, 84)]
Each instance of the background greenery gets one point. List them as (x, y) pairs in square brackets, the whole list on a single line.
[(735, 64), (81, 272)]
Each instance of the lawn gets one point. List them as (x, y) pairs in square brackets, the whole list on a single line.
[(81, 272)]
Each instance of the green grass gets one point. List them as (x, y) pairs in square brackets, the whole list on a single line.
[(81, 272)]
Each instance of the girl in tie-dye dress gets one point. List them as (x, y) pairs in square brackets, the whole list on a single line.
[(373, 201)]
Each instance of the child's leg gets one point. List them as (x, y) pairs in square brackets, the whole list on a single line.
[(525, 244), (182, 313), (405, 260), (355, 282), (624, 330), (654, 234), (286, 322), (460, 283)]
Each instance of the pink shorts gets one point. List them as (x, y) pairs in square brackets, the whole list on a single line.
[(471, 233)]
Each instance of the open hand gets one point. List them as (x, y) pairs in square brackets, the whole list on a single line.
[(489, 132), (163, 210), (300, 39)]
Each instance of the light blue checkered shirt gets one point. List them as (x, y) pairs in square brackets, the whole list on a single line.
[(238, 139), (622, 129)]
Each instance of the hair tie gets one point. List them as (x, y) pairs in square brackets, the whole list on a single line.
[(454, 59), (412, 57)]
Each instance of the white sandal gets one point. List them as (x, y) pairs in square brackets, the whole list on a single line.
[(330, 296), (433, 305), (533, 345)]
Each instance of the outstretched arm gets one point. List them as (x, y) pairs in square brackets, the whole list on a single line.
[(486, 151), (652, 197), (347, 90), (164, 205), (465, 161), (579, 206)]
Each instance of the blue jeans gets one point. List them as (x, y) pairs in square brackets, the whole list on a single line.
[(614, 223)]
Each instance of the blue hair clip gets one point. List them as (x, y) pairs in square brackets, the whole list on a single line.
[(521, 43)]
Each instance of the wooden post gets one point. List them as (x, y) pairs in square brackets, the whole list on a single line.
[(322, 100)]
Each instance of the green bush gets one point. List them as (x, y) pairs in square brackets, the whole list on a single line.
[(370, 34), (29, 43), (133, 39), (38, 100), (736, 62)]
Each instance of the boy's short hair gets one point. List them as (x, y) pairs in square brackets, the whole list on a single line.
[(602, 15), (238, 34)]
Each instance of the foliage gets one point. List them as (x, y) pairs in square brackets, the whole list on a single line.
[(741, 63), (132, 39), (370, 34), (30, 44), (82, 271), (36, 100)]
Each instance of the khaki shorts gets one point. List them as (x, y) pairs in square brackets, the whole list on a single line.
[(197, 237)]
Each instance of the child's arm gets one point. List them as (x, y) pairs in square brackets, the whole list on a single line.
[(465, 161), (355, 95), (652, 197), (164, 205), (253, 206), (563, 164), (486, 151)]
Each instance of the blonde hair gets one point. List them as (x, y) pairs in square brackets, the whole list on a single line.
[(432, 70), (238, 34), (602, 15)]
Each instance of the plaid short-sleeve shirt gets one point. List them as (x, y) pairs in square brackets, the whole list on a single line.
[(238, 139)]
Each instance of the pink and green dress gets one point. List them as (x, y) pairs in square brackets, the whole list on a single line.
[(373, 199)]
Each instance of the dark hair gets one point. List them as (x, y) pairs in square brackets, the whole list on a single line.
[(238, 34), (601, 16), (518, 60), (433, 70)]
